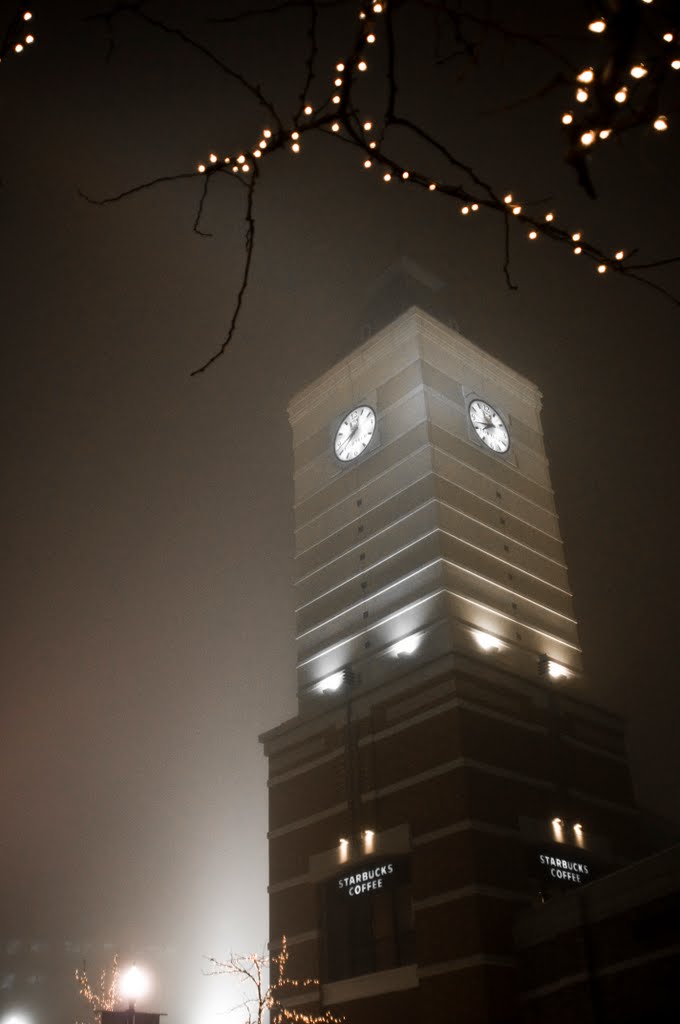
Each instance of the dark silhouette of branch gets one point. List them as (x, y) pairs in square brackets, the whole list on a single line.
[(590, 108), (249, 244)]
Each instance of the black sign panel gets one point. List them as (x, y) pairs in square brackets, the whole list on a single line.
[(563, 866)]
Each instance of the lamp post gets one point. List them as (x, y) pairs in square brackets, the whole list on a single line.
[(135, 982)]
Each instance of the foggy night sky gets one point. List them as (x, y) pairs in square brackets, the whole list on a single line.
[(148, 616)]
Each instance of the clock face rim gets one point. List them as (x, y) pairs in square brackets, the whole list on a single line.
[(480, 436), (343, 421)]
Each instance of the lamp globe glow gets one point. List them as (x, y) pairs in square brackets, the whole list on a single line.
[(134, 983)]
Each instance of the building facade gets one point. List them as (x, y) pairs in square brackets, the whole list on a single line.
[(445, 770)]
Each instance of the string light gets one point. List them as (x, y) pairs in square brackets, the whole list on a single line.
[(567, 118), (465, 210), (516, 210), (246, 168), (404, 175), (336, 99), (586, 76), (638, 71), (549, 217), (295, 147), (533, 234), (432, 186), (597, 26), (588, 138), (578, 250), (213, 158), (370, 38), (602, 268), (240, 159), (582, 95), (335, 127), (621, 95), (362, 65), (367, 126), (668, 37), (605, 133), (29, 39), (340, 67), (201, 168), (27, 15), (387, 176), (619, 255), (508, 198), (257, 154), (338, 82), (661, 124), (675, 64), (368, 163), (267, 134), (475, 207), (372, 145), (576, 237), (308, 110)]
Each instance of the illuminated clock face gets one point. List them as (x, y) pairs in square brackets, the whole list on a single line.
[(354, 433), (489, 426)]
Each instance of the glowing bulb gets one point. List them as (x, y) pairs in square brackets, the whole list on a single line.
[(675, 64), (432, 186), (404, 175), (227, 160), (668, 37), (622, 95), (263, 143), (407, 645), (586, 76), (213, 158), (201, 168), (267, 134), (27, 15), (661, 124), (549, 216), (639, 71), (516, 210), (387, 176), (581, 95), (588, 138), (475, 206), (620, 254), (578, 827), (240, 159), (362, 65), (533, 234), (335, 127), (336, 99), (578, 250), (602, 268), (372, 145), (486, 641), (368, 163), (30, 39), (605, 133), (246, 168), (465, 210), (134, 983), (378, 8), (331, 683), (367, 126), (308, 110), (339, 67), (295, 147), (557, 827), (257, 154), (567, 118), (597, 26), (508, 198), (576, 237), (295, 136), (18, 48), (557, 823), (338, 82), (370, 38)]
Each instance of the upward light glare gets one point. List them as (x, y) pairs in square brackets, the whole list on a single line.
[(407, 645), (331, 683), (557, 671), (486, 641)]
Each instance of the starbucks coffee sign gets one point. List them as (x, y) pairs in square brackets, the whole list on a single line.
[(370, 879), (562, 867)]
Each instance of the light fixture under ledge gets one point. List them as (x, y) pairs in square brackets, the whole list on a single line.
[(331, 683), (407, 645), (369, 840), (556, 671), (486, 641)]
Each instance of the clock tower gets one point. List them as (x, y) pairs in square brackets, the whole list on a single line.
[(444, 758)]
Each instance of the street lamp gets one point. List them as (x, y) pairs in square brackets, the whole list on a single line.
[(134, 984)]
